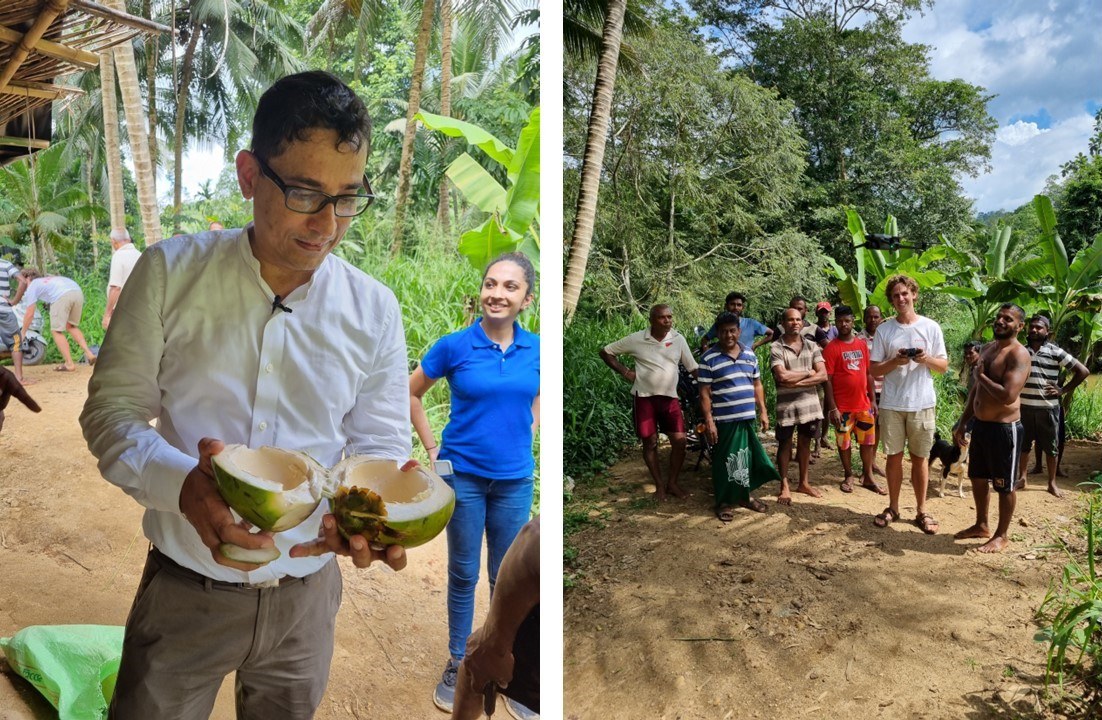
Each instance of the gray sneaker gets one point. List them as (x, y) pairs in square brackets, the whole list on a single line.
[(444, 695), (520, 712)]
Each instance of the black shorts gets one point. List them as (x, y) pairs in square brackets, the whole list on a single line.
[(807, 429), (1043, 426), (525, 685), (994, 452)]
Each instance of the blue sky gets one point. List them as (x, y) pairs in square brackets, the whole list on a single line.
[(1043, 60)]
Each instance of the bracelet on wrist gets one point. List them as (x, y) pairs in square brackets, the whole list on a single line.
[(433, 447)]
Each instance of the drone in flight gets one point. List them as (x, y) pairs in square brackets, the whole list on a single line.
[(879, 241)]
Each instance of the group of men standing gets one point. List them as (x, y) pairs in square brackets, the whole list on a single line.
[(873, 386)]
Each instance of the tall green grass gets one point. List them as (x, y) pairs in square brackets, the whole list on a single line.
[(1070, 617), (597, 424)]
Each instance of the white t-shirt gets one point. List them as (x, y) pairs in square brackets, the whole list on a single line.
[(655, 361), (122, 264), (48, 289), (910, 387)]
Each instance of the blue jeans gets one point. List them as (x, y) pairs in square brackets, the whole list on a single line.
[(499, 508)]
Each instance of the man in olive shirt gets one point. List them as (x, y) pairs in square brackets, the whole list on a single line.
[(658, 351)]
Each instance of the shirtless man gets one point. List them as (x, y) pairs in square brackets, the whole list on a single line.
[(995, 403)]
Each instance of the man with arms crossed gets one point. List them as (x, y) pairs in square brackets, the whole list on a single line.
[(797, 365), (851, 399), (906, 350), (1041, 397), (258, 336), (994, 402), (657, 351)]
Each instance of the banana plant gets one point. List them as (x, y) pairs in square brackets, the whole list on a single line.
[(513, 222), (1048, 283), (880, 265), (979, 274)]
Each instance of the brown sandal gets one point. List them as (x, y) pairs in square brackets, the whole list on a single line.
[(886, 518), (927, 524)]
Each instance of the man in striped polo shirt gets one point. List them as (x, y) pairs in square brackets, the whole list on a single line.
[(10, 337), (1041, 397), (797, 365), (732, 398)]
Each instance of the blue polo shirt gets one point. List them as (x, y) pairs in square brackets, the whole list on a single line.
[(489, 430)]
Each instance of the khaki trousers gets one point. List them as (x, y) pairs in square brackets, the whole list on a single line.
[(185, 633)]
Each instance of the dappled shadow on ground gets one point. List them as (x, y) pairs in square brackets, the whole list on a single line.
[(805, 610)]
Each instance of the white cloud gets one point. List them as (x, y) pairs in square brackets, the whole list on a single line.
[(1018, 133), (1022, 159), (1041, 61)]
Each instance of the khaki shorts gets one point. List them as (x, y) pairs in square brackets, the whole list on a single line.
[(916, 429), (67, 310)]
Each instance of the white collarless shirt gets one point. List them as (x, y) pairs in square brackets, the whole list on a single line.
[(195, 346)]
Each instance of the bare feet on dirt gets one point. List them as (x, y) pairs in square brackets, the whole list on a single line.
[(976, 531), (994, 545), (677, 491), (784, 498), (878, 471), (1054, 491), (808, 490)]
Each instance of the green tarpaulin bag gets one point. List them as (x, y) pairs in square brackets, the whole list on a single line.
[(74, 666)]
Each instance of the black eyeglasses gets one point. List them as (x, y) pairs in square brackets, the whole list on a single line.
[(307, 201)]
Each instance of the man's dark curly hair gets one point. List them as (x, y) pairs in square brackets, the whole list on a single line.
[(297, 104)]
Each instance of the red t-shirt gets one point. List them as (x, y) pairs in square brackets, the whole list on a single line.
[(848, 367)]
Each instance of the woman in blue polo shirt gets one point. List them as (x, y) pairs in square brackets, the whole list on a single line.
[(493, 373)]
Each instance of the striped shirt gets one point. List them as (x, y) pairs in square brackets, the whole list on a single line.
[(732, 382), (796, 406), (8, 271), (1044, 369)]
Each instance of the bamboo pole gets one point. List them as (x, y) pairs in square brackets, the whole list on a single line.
[(45, 91), (24, 142), (26, 43), (123, 18), (52, 50)]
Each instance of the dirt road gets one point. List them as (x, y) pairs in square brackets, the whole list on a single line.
[(808, 611), (71, 551)]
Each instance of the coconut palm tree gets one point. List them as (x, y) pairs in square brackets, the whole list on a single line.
[(111, 136), (405, 166), (593, 160), (42, 201), (232, 51)]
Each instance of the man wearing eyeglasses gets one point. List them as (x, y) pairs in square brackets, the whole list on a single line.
[(258, 336)]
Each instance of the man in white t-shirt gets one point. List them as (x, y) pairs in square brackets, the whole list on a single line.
[(658, 351), (66, 301), (906, 351), (123, 258)]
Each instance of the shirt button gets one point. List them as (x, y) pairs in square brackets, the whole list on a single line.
[(263, 425), (269, 367)]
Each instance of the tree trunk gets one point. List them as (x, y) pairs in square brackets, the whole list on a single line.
[(151, 83), (87, 168), (139, 138), (182, 93), (405, 168), (445, 100), (593, 160), (111, 141)]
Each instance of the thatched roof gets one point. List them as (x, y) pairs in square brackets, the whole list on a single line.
[(40, 41)]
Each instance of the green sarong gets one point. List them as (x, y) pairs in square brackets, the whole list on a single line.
[(739, 463)]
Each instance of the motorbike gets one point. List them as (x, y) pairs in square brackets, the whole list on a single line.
[(34, 344)]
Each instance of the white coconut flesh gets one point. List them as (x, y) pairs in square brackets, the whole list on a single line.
[(408, 496), (272, 488)]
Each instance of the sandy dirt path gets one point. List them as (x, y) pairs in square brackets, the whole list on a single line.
[(71, 551), (808, 611)]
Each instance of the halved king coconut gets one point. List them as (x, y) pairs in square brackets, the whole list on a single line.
[(273, 489), (378, 500)]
